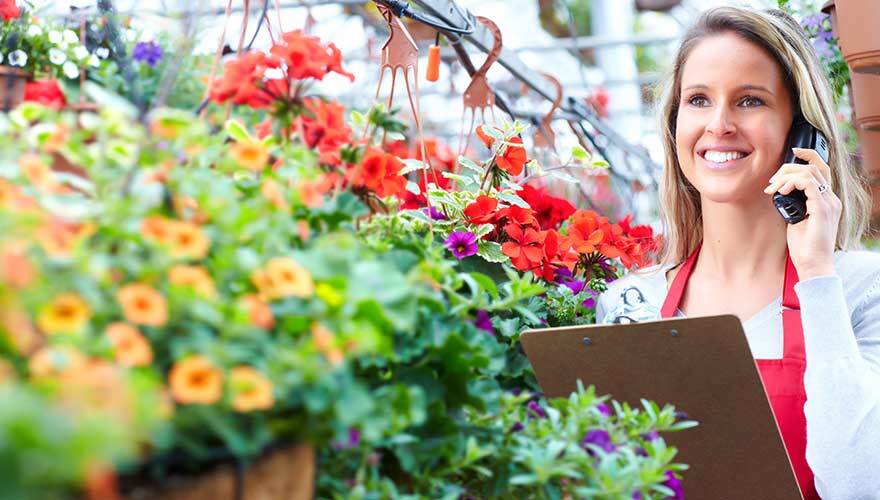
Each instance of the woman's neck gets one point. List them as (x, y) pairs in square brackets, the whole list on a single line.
[(742, 241)]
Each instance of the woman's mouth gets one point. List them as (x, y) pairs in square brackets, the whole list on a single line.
[(720, 160)]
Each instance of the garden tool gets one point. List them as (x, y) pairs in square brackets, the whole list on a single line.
[(478, 94), (544, 135)]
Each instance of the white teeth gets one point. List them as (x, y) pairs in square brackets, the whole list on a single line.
[(722, 156)]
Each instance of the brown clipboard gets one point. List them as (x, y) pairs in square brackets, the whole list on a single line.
[(704, 367)]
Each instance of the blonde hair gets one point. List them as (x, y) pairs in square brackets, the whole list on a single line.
[(784, 40)]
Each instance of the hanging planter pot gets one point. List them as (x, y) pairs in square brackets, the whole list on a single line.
[(12, 82), (869, 155), (866, 100), (855, 24), (657, 5), (286, 473)]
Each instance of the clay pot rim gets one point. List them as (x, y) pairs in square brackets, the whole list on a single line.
[(5, 69)]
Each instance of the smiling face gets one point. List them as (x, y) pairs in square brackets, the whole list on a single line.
[(733, 120)]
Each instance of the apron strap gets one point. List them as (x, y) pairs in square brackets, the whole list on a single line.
[(792, 328), (676, 291)]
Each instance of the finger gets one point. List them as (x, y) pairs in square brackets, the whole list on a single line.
[(797, 180), (812, 156), (797, 168), (808, 185)]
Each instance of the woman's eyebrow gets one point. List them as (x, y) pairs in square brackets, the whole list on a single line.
[(748, 86)]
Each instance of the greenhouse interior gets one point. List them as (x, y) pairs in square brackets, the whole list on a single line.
[(370, 249)]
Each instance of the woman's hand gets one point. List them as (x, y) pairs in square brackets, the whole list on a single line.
[(810, 242)]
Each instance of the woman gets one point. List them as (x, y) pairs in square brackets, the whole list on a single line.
[(809, 302)]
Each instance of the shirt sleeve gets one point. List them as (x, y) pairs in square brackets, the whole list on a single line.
[(842, 383)]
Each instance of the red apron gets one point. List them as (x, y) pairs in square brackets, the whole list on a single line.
[(783, 378)]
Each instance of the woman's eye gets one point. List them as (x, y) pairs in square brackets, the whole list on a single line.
[(751, 101), (698, 101)]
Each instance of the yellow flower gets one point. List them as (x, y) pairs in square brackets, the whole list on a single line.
[(329, 295), (142, 305), (67, 313), (187, 240), (250, 154), (195, 381), (130, 345), (55, 361), (195, 277), (251, 390), (288, 278)]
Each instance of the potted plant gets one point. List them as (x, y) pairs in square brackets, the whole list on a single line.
[(855, 24)]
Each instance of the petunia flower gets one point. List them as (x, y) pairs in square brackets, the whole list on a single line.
[(599, 438), (462, 244)]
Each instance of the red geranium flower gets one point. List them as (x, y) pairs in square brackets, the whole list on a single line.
[(242, 81), (8, 10), (514, 158), (46, 91), (306, 57), (524, 248), (325, 130), (517, 215), (549, 210), (481, 211)]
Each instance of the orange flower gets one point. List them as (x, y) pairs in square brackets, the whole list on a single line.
[(36, 170), (288, 278), (15, 321), (513, 159), (156, 228), (271, 190), (259, 312), (324, 341), (67, 313), (250, 154), (305, 232), (57, 139), (195, 277), (165, 128), (142, 305), (187, 240), (55, 360), (195, 380), (58, 238), (251, 390), (16, 269), (310, 193), (131, 347)]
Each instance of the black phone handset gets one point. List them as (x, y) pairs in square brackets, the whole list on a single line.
[(793, 206)]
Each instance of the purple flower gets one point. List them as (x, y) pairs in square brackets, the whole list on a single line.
[(637, 495), (575, 286), (562, 274), (600, 438), (149, 52), (484, 322), (354, 439), (516, 427), (433, 213), (650, 436), (603, 409), (535, 410), (641, 452), (674, 484), (462, 244)]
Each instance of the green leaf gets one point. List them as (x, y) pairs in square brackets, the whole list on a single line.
[(579, 153), (411, 165), (491, 251), (513, 199), (237, 131), (413, 188), (468, 164)]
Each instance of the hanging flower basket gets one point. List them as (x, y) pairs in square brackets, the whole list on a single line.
[(855, 24), (657, 5), (12, 82), (866, 99), (283, 474)]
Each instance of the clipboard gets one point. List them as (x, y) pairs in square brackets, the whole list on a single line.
[(704, 367)]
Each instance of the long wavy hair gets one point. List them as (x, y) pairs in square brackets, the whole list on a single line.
[(784, 40)]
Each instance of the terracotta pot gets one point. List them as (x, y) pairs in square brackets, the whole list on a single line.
[(12, 82), (869, 153), (284, 474), (855, 24), (866, 100)]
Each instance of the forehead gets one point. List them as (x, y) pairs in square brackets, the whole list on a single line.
[(728, 60)]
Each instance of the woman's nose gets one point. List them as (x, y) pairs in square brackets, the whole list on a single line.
[(721, 122)]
